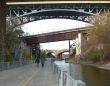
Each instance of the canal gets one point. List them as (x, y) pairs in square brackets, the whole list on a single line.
[(91, 75)]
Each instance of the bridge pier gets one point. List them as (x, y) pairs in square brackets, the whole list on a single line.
[(79, 42), (2, 29)]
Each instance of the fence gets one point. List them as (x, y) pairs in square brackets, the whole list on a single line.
[(9, 65), (64, 79)]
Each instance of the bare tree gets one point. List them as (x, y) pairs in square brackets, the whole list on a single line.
[(98, 43)]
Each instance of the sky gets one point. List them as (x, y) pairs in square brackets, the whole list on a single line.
[(52, 25), (56, 45)]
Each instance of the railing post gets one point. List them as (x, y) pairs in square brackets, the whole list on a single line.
[(61, 78), (67, 81)]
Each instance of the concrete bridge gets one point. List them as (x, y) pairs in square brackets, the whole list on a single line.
[(56, 52), (69, 34), (77, 34)]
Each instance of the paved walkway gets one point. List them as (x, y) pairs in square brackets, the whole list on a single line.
[(28, 75)]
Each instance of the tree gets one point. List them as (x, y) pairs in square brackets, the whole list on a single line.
[(98, 44), (43, 54), (2, 29), (49, 54), (12, 37)]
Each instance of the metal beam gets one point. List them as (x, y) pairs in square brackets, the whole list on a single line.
[(10, 2), (77, 11)]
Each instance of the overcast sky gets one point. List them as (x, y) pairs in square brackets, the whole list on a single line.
[(50, 25)]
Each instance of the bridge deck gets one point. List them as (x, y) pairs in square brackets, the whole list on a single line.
[(28, 75)]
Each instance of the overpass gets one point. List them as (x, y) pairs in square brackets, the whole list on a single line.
[(70, 34), (25, 12), (77, 34)]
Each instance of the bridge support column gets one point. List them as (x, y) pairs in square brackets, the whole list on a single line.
[(69, 48), (79, 42), (2, 29)]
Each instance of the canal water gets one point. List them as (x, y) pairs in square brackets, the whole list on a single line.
[(92, 76)]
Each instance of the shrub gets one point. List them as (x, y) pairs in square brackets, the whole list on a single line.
[(98, 44)]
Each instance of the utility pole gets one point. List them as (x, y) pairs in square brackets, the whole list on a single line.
[(2, 29)]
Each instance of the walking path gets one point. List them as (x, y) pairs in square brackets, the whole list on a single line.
[(29, 75)]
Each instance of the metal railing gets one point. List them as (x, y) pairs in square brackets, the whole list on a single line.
[(15, 64), (64, 79)]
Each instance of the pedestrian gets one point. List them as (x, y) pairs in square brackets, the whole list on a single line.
[(52, 59), (37, 61), (42, 61)]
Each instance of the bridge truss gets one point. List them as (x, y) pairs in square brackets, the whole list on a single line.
[(26, 13)]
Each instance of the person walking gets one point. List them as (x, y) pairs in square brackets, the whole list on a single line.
[(37, 61), (42, 61)]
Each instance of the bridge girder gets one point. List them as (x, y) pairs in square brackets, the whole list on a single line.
[(50, 14), (52, 37)]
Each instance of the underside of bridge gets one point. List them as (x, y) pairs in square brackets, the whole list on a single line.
[(26, 12), (52, 37)]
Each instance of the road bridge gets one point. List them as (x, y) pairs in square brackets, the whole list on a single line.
[(25, 12), (77, 34), (70, 34)]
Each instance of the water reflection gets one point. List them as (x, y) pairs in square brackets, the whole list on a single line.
[(91, 75)]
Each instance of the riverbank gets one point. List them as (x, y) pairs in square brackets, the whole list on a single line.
[(95, 64), (98, 65)]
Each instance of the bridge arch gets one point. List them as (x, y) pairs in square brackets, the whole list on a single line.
[(35, 15), (61, 56), (81, 11)]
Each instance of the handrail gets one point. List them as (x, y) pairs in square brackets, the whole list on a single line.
[(64, 79)]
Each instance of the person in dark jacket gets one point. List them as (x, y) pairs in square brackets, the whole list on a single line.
[(42, 61), (37, 61)]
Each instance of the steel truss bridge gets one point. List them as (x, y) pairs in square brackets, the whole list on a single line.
[(25, 13)]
